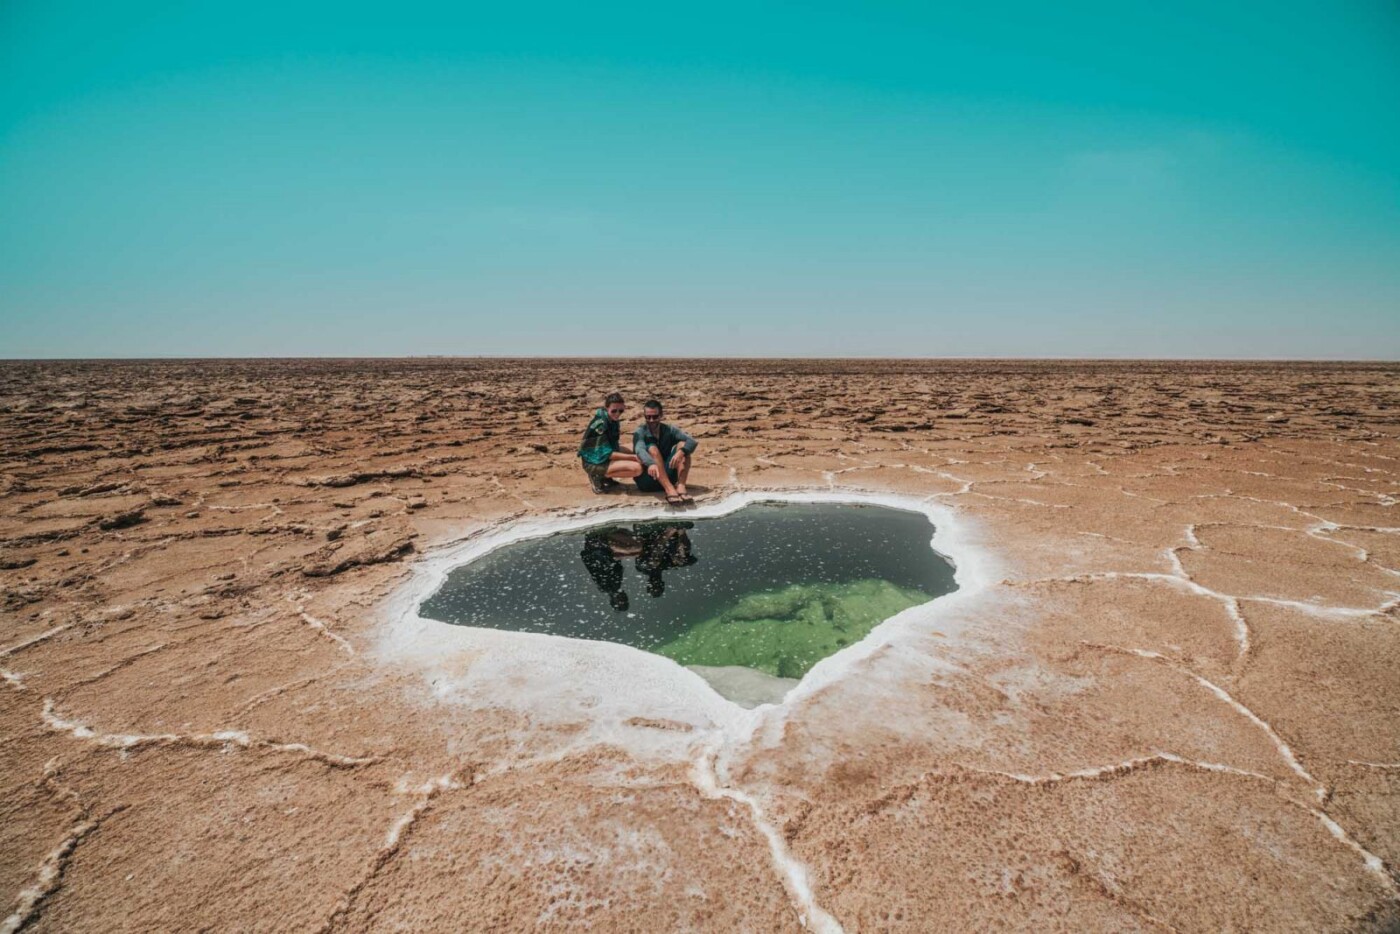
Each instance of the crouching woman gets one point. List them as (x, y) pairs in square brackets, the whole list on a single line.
[(604, 458)]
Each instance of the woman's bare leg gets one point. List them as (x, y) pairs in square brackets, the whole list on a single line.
[(624, 466)]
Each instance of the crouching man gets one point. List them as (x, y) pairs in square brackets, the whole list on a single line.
[(604, 458), (665, 453)]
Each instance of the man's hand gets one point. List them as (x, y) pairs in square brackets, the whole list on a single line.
[(677, 457), (654, 472)]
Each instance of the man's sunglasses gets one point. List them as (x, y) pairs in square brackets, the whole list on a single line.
[(616, 410), (652, 418)]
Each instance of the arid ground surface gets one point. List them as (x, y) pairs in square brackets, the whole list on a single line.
[(1176, 707)]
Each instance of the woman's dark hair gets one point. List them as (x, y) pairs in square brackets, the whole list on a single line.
[(653, 404), (613, 398)]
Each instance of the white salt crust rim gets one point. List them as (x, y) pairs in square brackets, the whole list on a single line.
[(559, 678)]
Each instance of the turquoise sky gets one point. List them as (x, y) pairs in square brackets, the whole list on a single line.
[(1016, 179)]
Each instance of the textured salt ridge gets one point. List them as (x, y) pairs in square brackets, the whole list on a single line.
[(794, 875)]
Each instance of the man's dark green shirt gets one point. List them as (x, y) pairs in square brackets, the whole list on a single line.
[(600, 439), (666, 439)]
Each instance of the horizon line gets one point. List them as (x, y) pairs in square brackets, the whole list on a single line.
[(173, 358)]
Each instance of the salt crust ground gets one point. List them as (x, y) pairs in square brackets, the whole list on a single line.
[(1165, 697)]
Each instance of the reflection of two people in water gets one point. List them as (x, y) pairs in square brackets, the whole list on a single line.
[(657, 546)]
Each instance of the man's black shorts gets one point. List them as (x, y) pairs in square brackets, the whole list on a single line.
[(647, 485)]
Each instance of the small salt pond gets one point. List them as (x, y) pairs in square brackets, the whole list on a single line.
[(750, 600)]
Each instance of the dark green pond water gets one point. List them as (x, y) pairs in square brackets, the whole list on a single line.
[(772, 587)]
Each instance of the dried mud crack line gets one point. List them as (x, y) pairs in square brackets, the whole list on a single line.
[(793, 874), (218, 739), (1372, 863), (49, 876), (321, 629), (41, 637), (393, 840), (1284, 750), (1231, 603)]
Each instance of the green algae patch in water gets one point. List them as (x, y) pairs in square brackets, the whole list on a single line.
[(785, 632), (771, 588)]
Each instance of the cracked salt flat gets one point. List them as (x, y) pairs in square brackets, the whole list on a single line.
[(1321, 684)]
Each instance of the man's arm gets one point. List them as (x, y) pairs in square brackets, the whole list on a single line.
[(687, 442), (640, 448)]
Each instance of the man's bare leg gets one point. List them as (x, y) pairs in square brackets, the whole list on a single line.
[(658, 473), (681, 464)]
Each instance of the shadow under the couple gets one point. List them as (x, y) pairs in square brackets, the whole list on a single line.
[(657, 547)]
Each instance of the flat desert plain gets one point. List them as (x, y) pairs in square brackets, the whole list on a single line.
[(1166, 696)]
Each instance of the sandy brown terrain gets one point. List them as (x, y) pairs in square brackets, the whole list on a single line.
[(1177, 707)]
